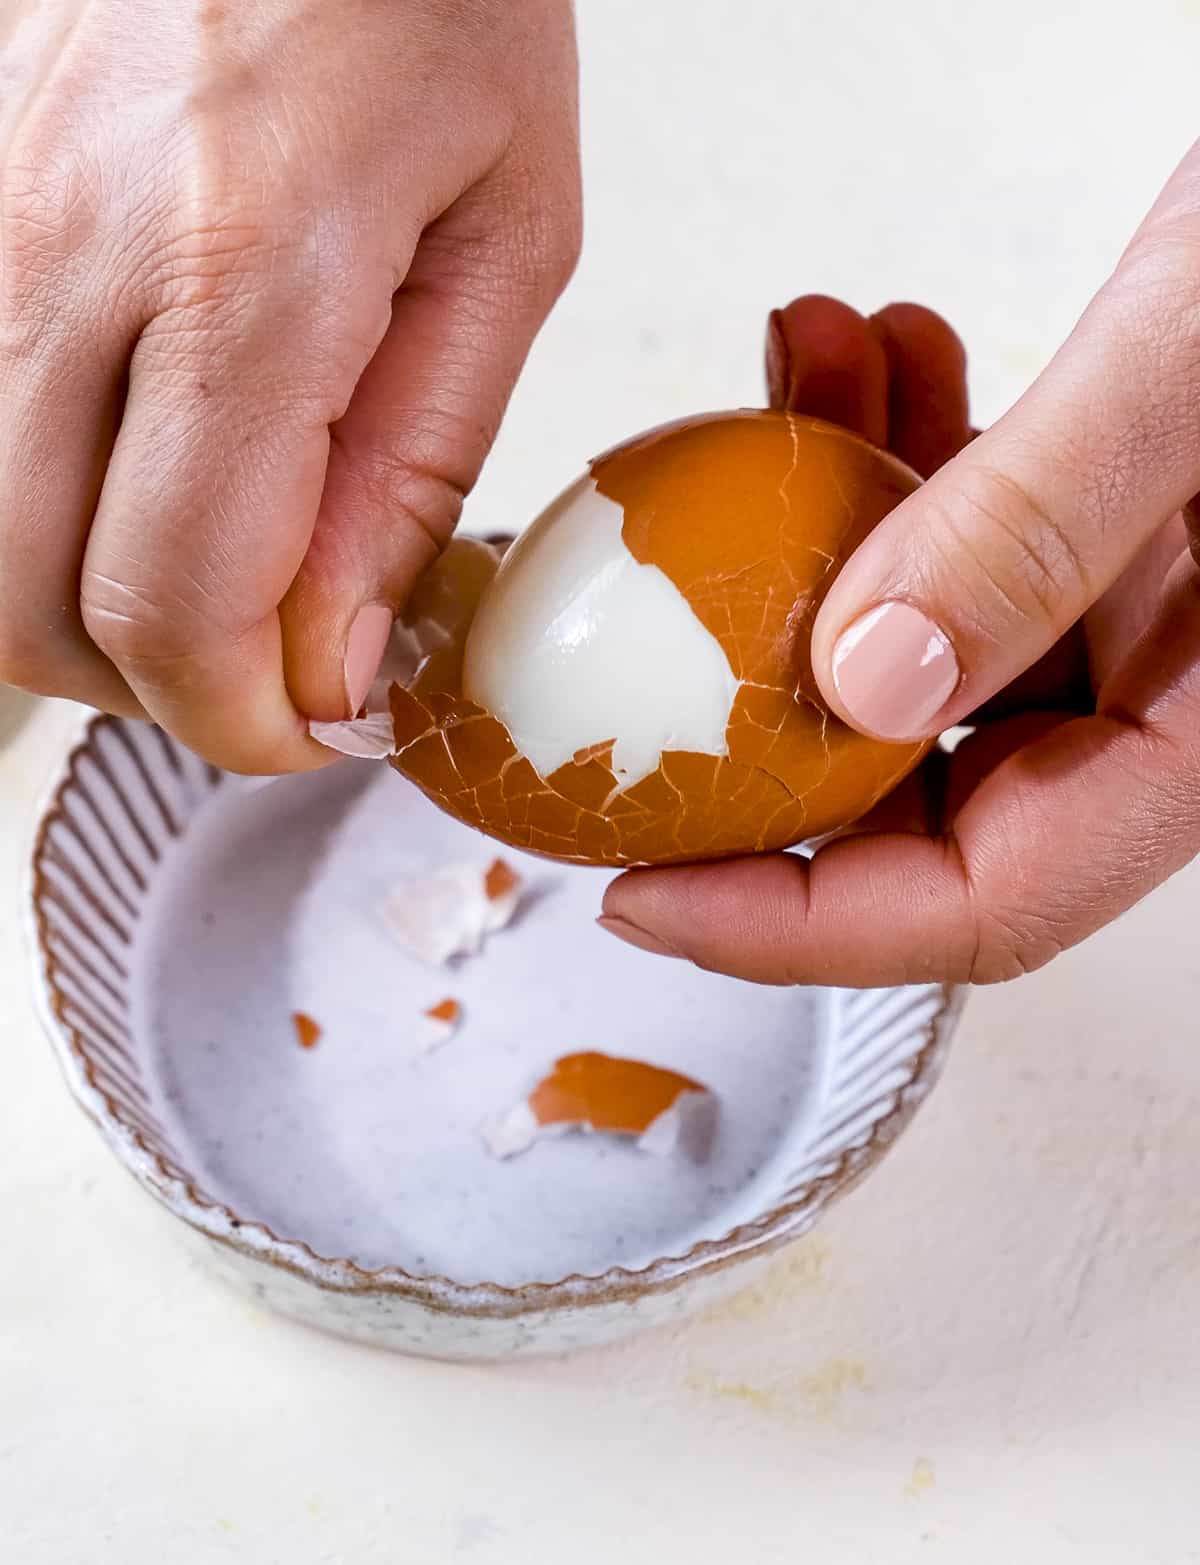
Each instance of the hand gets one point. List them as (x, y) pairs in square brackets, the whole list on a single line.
[(1046, 596), (268, 271)]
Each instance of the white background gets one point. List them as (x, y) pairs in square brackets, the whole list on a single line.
[(990, 1353)]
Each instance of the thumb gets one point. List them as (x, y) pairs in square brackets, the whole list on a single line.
[(410, 446), (975, 576)]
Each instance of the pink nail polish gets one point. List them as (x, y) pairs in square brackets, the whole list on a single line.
[(365, 647), (633, 936), (895, 670)]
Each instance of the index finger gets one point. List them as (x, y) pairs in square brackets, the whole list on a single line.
[(203, 521)]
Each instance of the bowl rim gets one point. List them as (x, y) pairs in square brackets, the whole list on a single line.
[(255, 1241)]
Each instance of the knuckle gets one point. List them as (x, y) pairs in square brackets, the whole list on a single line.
[(1012, 943), (993, 941), (1007, 550), (556, 254), (217, 267), (239, 306), (235, 241), (49, 196), (138, 626), (521, 253), (410, 491), (50, 213), (546, 248)]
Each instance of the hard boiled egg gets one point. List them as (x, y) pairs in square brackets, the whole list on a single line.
[(632, 685)]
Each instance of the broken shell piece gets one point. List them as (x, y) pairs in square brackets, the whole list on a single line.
[(368, 738), (667, 1112), (434, 620), (308, 1032), (441, 1023), (446, 912), (501, 881)]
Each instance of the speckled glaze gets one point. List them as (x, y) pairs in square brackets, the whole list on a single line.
[(125, 799)]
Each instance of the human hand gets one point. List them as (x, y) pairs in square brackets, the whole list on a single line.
[(1051, 561), (268, 272)]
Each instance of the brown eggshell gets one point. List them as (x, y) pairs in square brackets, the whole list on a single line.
[(667, 1112), (607, 1093), (750, 515)]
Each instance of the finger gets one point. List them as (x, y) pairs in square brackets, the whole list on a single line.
[(928, 419), (824, 360), (209, 503), (820, 361), (1191, 522), (974, 577), (929, 799), (61, 385), (412, 442), (1056, 840)]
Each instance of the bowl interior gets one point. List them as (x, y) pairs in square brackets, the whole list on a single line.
[(183, 917)]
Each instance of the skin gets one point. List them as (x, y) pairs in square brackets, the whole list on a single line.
[(1054, 553), (268, 272)]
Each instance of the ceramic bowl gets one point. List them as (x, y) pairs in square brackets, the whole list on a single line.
[(179, 917)]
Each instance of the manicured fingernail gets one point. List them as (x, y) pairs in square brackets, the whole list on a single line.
[(633, 936), (895, 670), (365, 647)]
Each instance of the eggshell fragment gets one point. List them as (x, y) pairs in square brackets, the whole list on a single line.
[(371, 737), (449, 911), (501, 882), (441, 1023), (308, 1032), (437, 617), (578, 734), (667, 1111)]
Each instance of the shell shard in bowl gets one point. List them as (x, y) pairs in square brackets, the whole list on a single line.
[(181, 920)]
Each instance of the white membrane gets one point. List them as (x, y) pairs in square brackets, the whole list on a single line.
[(575, 643), (446, 912)]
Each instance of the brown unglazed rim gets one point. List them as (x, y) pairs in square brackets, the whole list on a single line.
[(113, 1098)]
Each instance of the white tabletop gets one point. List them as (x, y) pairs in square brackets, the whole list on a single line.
[(990, 1352)]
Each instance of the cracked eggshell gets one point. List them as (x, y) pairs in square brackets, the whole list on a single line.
[(449, 911), (664, 1110), (441, 1022), (633, 685)]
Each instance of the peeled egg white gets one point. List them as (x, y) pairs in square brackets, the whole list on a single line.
[(581, 644)]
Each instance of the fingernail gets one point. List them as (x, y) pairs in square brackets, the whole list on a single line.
[(365, 647), (895, 670), (633, 936)]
